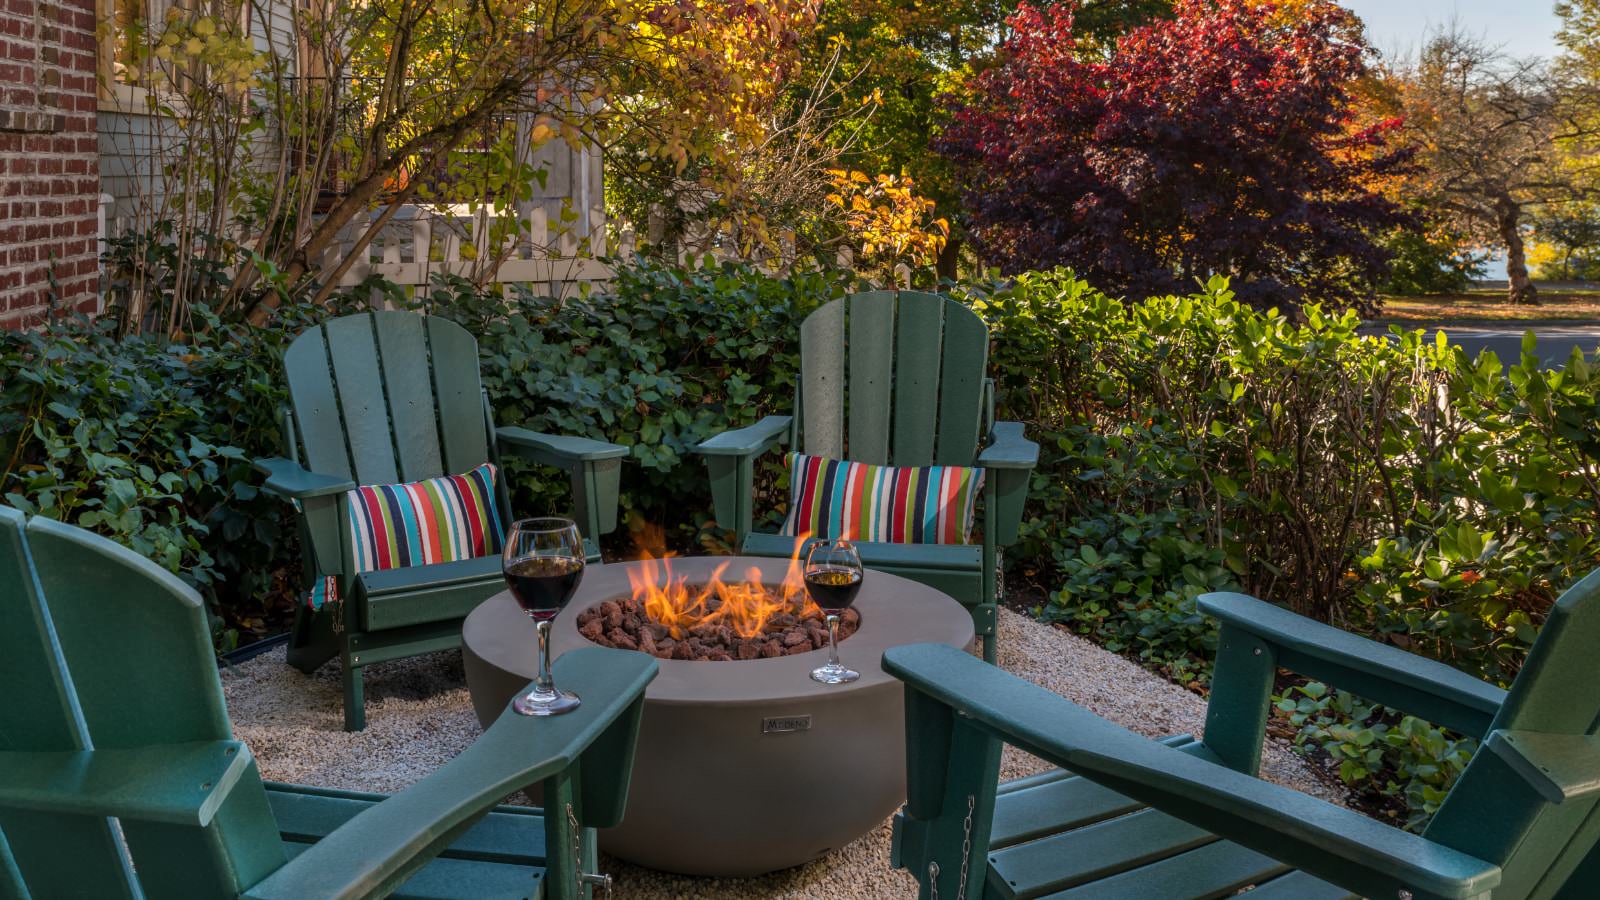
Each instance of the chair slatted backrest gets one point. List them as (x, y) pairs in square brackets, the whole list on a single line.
[(41, 714), (115, 655), (1491, 812), (893, 378), (387, 397)]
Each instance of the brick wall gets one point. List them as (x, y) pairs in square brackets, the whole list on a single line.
[(49, 182)]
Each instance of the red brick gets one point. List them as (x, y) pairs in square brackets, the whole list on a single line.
[(48, 158)]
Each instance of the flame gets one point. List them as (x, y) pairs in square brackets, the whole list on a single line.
[(745, 606)]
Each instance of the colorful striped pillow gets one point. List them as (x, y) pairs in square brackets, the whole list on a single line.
[(830, 498), (433, 521)]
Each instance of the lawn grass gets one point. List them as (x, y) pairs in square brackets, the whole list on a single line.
[(1488, 306)]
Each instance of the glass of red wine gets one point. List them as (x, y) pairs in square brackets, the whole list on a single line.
[(543, 563), (833, 576)]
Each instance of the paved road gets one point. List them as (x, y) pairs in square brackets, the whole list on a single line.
[(1554, 348), (1555, 341)]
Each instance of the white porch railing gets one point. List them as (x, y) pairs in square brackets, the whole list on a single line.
[(418, 243)]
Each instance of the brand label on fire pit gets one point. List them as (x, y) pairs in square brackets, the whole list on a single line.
[(785, 724)]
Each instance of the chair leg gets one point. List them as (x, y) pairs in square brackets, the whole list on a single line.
[(986, 625), (311, 640), (355, 708)]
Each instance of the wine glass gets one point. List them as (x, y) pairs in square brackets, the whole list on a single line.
[(543, 563), (833, 578)]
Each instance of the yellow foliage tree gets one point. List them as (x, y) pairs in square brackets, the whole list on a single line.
[(891, 223), (378, 96)]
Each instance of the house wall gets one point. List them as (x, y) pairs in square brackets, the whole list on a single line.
[(49, 182), (130, 162), (135, 145)]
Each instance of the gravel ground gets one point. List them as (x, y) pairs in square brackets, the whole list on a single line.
[(419, 716)]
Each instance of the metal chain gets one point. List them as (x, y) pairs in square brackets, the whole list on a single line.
[(966, 848), (584, 878), (966, 857), (577, 840)]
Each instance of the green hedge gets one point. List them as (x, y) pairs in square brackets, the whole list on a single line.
[(1389, 485), (661, 359), (149, 441)]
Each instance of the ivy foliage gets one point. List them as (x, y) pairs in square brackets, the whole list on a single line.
[(1396, 757), (148, 440), (660, 359)]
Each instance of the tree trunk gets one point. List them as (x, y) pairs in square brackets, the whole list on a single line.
[(949, 257), (431, 145), (1508, 216)]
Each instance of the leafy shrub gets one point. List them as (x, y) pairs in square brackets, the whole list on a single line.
[(1389, 756), (1388, 485), (1131, 581), (660, 359), (1427, 261), (149, 441)]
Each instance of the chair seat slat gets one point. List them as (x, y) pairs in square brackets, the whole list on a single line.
[(404, 351), (315, 405), (871, 382), (919, 331), (961, 413), (359, 379)]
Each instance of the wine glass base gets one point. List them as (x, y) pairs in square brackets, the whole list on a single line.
[(832, 673), (546, 703)]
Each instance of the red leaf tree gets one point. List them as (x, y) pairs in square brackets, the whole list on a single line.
[(1220, 141)]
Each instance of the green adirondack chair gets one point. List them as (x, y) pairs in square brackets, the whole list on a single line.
[(391, 397), (1186, 818), (120, 778), (899, 379)]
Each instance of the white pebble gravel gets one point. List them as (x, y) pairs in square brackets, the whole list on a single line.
[(419, 716)]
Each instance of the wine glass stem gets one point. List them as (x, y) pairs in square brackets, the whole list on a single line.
[(833, 640), (543, 682)]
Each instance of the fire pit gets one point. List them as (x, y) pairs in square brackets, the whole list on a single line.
[(745, 765), (719, 619)]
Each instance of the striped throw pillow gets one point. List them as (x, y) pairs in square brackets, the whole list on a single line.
[(438, 520), (830, 498)]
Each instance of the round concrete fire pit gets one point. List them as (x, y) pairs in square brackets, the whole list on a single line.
[(744, 766)]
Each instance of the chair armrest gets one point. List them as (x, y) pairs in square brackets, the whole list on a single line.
[(381, 846), (730, 464), (748, 441), (556, 449), (1330, 842), (1009, 449), (1378, 672), (1008, 464), (1560, 767), (594, 468), (290, 480), (177, 784)]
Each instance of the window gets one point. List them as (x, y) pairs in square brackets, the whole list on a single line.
[(129, 31), (124, 28)]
